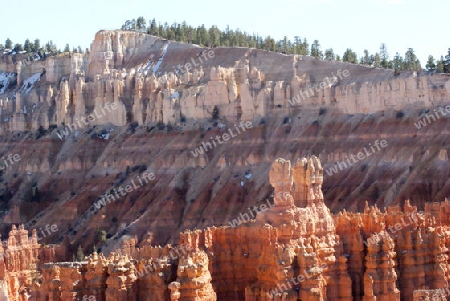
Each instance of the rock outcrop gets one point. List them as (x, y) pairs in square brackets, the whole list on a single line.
[(131, 103), (291, 248), (20, 258), (194, 279), (288, 252), (223, 262), (154, 80)]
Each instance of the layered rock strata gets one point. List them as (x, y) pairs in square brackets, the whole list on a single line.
[(149, 80), (287, 253), (295, 249)]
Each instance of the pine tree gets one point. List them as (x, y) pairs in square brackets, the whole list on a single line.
[(141, 24), (365, 60), (329, 54), (170, 34), (269, 44), (377, 60), (37, 45), (191, 35), (215, 113), (418, 65), (315, 50), (27, 46), (253, 41), (101, 236), (184, 26), (179, 34), (297, 44), (67, 48), (285, 44), (127, 25), (214, 34), (398, 63), (50, 47), (8, 44), (384, 56), (203, 36), (350, 56), (161, 31), (80, 254), (305, 47), (447, 62), (411, 62), (35, 195), (153, 30), (440, 65), (18, 47), (300, 47)]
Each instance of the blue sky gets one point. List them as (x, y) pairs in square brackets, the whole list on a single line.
[(358, 24)]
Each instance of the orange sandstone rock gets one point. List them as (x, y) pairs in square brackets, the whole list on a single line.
[(295, 249)]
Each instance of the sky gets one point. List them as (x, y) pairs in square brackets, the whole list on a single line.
[(337, 24)]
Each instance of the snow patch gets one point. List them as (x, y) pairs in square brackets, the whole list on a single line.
[(5, 80), (151, 64), (155, 69), (28, 84), (148, 65), (175, 95), (106, 133)]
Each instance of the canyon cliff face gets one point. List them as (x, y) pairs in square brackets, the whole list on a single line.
[(154, 80), (294, 249), (86, 125)]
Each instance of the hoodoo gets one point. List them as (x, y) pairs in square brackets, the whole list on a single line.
[(294, 250)]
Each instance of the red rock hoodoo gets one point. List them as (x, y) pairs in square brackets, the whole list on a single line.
[(294, 249)]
